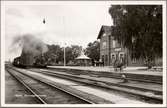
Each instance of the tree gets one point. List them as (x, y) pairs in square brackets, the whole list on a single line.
[(69, 55), (139, 29), (54, 53), (93, 50), (76, 50), (72, 52)]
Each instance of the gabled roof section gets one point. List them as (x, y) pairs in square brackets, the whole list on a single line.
[(104, 29)]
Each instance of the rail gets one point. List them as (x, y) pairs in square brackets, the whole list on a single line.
[(27, 87), (59, 88)]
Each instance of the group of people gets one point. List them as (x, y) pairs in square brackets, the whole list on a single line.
[(118, 64), (97, 63)]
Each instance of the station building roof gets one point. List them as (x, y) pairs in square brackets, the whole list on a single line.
[(82, 57), (105, 29)]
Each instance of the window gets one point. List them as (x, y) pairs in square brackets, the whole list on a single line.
[(114, 43), (113, 56), (106, 59), (134, 60), (104, 45), (104, 34), (121, 55), (102, 58)]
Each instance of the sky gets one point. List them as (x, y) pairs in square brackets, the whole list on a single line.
[(76, 23)]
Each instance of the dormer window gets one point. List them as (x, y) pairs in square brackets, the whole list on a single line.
[(104, 34)]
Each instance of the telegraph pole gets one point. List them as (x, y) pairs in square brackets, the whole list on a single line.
[(65, 54), (64, 43)]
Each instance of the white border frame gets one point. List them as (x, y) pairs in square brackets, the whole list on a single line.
[(3, 3)]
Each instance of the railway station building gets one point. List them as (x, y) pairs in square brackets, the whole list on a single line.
[(110, 49)]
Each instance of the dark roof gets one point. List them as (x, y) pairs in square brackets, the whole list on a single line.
[(104, 28)]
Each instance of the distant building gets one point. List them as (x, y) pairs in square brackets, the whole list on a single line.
[(110, 49)]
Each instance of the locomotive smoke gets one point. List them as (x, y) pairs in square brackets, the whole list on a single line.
[(31, 44)]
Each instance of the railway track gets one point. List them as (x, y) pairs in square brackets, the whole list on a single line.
[(32, 84), (16, 93), (38, 98), (130, 76), (128, 91), (143, 93)]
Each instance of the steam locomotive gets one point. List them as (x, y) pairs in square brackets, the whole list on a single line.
[(27, 60)]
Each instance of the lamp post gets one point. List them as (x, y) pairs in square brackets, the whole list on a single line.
[(65, 54), (64, 43)]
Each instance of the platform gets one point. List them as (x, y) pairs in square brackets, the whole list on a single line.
[(132, 73), (133, 70)]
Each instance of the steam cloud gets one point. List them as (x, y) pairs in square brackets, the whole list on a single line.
[(31, 44)]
